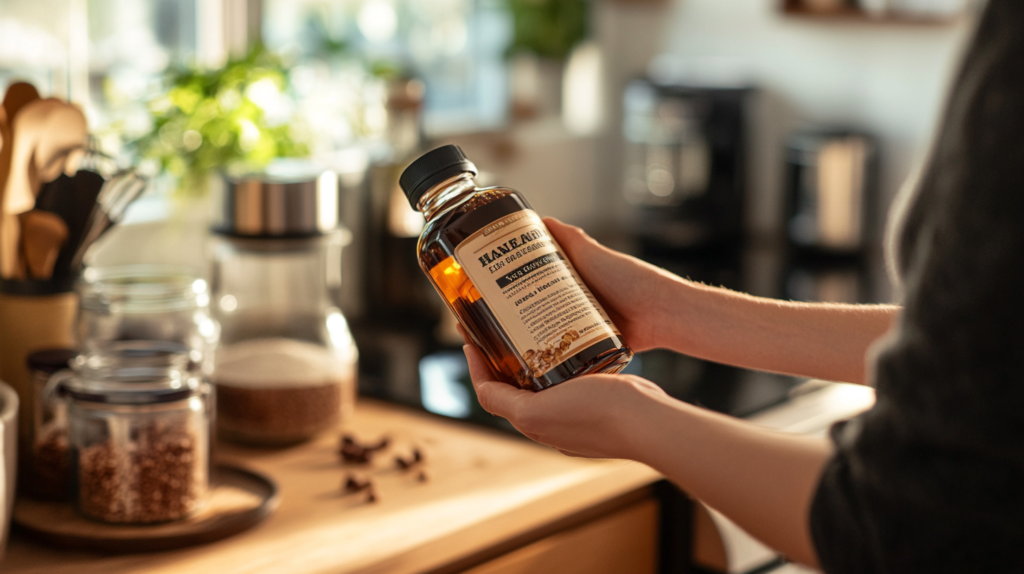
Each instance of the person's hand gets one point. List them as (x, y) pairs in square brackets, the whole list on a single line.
[(637, 296), (592, 416)]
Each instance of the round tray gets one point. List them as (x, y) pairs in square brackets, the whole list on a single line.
[(238, 500)]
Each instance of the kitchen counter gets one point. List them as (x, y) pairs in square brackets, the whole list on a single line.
[(493, 504)]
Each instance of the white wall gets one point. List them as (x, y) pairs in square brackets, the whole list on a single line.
[(882, 77)]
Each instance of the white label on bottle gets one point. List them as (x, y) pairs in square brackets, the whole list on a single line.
[(533, 290)]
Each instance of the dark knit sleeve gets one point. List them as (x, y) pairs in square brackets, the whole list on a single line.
[(932, 478)]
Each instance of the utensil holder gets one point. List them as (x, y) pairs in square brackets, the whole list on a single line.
[(30, 323)]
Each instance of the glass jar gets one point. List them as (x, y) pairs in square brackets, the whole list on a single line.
[(286, 368), (50, 455), (159, 304), (140, 445)]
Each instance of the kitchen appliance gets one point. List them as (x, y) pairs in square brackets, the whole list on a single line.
[(685, 164), (831, 190), (831, 183)]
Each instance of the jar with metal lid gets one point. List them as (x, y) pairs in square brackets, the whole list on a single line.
[(165, 305), (50, 458), (286, 368), (140, 445)]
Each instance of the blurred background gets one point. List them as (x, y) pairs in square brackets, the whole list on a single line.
[(754, 144)]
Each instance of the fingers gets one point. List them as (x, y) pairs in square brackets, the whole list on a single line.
[(572, 239), (495, 397)]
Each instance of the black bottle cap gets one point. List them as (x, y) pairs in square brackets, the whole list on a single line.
[(431, 169)]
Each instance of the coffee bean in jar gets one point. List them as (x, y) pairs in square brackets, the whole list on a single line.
[(140, 453), (281, 391)]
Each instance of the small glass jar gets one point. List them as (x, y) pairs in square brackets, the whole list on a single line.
[(286, 368), (50, 457), (159, 304), (140, 445)]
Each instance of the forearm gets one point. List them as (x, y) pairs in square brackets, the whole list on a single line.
[(820, 340), (762, 480)]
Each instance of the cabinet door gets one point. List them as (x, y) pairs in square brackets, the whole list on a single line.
[(624, 542)]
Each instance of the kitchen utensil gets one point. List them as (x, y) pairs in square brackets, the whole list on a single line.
[(9, 455), (109, 207), (18, 95), (10, 234), (43, 132), (42, 235)]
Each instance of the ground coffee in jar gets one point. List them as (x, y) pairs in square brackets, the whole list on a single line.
[(506, 279), (281, 390)]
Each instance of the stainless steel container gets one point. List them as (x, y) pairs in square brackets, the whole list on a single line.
[(831, 184)]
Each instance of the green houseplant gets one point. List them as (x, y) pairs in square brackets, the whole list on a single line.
[(234, 117)]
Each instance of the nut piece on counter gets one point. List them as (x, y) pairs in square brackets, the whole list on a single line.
[(422, 476)]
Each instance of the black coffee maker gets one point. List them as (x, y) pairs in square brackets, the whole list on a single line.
[(685, 178), (685, 159)]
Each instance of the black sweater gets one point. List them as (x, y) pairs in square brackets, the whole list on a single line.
[(932, 478)]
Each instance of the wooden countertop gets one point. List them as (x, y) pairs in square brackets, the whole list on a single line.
[(488, 493)]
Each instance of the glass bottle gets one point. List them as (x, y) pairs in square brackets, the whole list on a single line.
[(286, 369), (505, 278)]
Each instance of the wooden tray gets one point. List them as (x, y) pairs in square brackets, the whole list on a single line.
[(238, 500)]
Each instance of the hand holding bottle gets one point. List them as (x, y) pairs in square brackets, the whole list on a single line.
[(635, 294)]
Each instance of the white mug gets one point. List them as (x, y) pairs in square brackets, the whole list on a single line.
[(9, 454)]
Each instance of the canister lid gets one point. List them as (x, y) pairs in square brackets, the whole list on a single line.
[(432, 168), (128, 393), (49, 361), (296, 203)]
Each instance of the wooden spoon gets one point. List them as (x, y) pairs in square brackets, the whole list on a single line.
[(43, 133), (42, 235), (18, 95)]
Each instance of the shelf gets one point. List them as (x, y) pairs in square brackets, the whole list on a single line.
[(856, 15)]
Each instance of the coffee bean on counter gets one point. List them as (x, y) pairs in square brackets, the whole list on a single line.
[(354, 483), (372, 495), (383, 443), (414, 459), (355, 452)]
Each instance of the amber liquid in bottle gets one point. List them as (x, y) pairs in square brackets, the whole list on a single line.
[(458, 219)]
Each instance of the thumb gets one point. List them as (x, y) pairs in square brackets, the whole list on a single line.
[(573, 240), (495, 397)]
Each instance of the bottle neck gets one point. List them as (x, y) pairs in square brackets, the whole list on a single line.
[(445, 193)]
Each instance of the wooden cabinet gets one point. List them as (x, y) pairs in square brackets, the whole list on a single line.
[(624, 541)]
